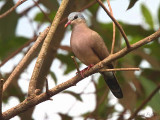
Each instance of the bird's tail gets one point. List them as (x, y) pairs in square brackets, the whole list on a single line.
[(113, 84)]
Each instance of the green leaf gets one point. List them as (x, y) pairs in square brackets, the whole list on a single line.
[(53, 76), (149, 86), (11, 45), (159, 15), (131, 4), (76, 95), (147, 16), (39, 17), (8, 23)]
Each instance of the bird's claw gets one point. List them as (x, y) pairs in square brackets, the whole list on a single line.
[(85, 69)]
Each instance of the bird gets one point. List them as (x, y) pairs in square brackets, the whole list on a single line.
[(89, 47)]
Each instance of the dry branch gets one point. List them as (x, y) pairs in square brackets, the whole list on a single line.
[(31, 102)]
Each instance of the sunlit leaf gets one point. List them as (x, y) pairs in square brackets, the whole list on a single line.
[(147, 16)]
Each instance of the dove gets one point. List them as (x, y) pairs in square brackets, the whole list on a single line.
[(89, 47)]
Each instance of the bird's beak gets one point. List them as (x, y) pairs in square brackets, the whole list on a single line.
[(68, 23)]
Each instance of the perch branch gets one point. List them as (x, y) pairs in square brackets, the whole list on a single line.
[(26, 57), (75, 64), (116, 23), (45, 46), (26, 104), (144, 102), (119, 69)]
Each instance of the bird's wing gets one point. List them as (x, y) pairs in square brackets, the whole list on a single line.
[(99, 47)]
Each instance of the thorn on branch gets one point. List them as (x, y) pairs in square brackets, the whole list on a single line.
[(47, 90)]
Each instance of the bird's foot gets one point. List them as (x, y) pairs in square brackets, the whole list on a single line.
[(85, 69)]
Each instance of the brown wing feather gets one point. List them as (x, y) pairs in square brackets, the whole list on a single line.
[(99, 47)]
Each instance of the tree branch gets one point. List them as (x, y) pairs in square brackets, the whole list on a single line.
[(116, 23), (30, 102), (45, 46)]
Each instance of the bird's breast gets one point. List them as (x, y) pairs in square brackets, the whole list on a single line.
[(81, 47)]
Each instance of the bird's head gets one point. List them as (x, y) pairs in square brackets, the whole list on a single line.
[(75, 17)]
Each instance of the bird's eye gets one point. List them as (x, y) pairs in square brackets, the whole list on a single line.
[(75, 17)]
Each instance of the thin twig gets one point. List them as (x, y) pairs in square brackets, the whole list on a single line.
[(119, 69), (144, 102), (116, 23), (75, 64), (12, 9), (114, 29), (46, 16), (1, 95), (25, 58)]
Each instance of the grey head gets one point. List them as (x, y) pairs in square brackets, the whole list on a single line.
[(73, 16)]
